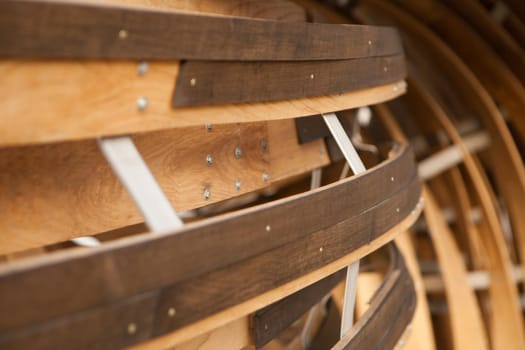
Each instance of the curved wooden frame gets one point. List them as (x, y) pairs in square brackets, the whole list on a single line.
[(195, 269)]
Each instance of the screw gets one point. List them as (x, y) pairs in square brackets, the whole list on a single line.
[(369, 42), (238, 152), (172, 312), (238, 185), (265, 176), (123, 34), (385, 69), (264, 145), (142, 103), (142, 68), (208, 127), (312, 76), (193, 81), (268, 228), (207, 194), (209, 159), (397, 210), (392, 178), (321, 249), (132, 328)]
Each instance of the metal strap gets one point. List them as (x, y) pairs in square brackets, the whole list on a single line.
[(124, 158), (357, 166)]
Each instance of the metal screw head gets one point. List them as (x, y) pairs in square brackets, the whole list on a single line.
[(123, 34), (207, 194), (312, 76), (397, 210), (238, 185), (209, 160), (193, 81), (208, 127), (264, 145), (385, 68), (142, 103), (142, 68), (268, 228), (238, 152), (171, 312), (132, 328), (369, 42), (265, 176), (392, 178), (321, 249)]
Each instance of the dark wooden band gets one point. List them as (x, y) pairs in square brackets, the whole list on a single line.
[(270, 321), (54, 29), (206, 82), (395, 300), (69, 282), (197, 298)]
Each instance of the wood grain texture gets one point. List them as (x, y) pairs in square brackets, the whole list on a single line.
[(273, 319), (118, 269), (396, 296), (78, 30), (54, 192), (269, 297), (215, 291), (63, 101), (209, 83)]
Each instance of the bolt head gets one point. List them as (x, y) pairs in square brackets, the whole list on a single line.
[(207, 194), (142, 103), (208, 127), (123, 34), (193, 81), (238, 152), (142, 68), (238, 185), (209, 160), (132, 328), (265, 177)]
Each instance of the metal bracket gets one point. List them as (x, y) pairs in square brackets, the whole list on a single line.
[(132, 171), (357, 166)]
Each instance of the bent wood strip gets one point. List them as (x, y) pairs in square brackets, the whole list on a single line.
[(61, 100), (51, 193), (502, 43), (504, 297), (422, 336), (273, 319), (76, 30), (396, 296), (207, 83), (491, 71), (264, 299), (253, 230), (217, 290)]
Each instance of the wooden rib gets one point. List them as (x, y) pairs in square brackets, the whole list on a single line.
[(61, 101), (249, 228), (423, 335), (460, 297), (489, 68), (91, 30), (504, 295), (210, 83), (52, 193), (273, 319), (55, 334), (395, 297), (502, 43)]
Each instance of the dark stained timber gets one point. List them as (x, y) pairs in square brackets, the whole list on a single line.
[(202, 269), (206, 82), (395, 300), (54, 29)]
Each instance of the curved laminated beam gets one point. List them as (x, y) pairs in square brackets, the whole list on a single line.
[(489, 68), (396, 296), (90, 30), (504, 297), (205, 268), (61, 101)]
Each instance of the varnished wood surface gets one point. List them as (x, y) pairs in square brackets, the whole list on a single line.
[(76, 30), (226, 82), (396, 296), (51, 193), (185, 268)]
